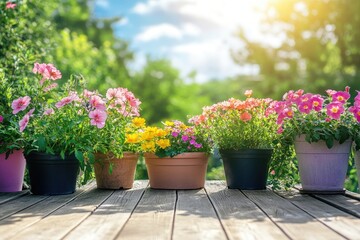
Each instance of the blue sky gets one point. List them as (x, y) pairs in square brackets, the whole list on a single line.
[(194, 34)]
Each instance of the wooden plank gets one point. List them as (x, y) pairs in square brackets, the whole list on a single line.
[(195, 217), (153, 216), (5, 197), (332, 217), (296, 223), (240, 217), (107, 220), (63, 220), (18, 204), (10, 226), (349, 205), (352, 195)]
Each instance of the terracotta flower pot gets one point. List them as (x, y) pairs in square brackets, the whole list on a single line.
[(322, 169), (12, 171), (123, 171), (184, 171)]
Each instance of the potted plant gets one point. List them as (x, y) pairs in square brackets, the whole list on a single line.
[(12, 161), (321, 129), (243, 132), (176, 155), (116, 155), (52, 122)]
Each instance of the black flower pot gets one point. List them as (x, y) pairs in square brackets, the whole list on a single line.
[(52, 175), (246, 169)]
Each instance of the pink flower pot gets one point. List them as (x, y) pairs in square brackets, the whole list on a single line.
[(321, 168), (12, 171), (184, 171)]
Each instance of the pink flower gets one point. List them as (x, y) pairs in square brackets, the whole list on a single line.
[(340, 96), (30, 113), (198, 145), (245, 116), (280, 130), (305, 107), (317, 102), (10, 5), (51, 72), (356, 112), (24, 122), (1, 119), (334, 110), (113, 93), (248, 93), (49, 111), (175, 134), (98, 118), (272, 172), (88, 93), (20, 104), (330, 92), (50, 87), (64, 101), (97, 102)]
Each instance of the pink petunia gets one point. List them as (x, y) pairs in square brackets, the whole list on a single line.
[(334, 110), (64, 101), (20, 104), (97, 102), (272, 172), (248, 93), (185, 138), (49, 111), (1, 119), (330, 92), (175, 134), (24, 122), (280, 130), (88, 93), (50, 87), (113, 93), (10, 5), (356, 112), (52, 73), (98, 118), (340, 96), (305, 107), (317, 102)]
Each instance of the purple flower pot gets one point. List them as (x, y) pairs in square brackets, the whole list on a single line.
[(12, 171), (321, 168)]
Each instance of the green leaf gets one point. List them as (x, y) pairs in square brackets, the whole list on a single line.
[(41, 142), (329, 142), (79, 155)]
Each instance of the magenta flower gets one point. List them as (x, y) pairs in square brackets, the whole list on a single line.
[(1, 119), (98, 118), (334, 110), (20, 104), (280, 130), (330, 92), (340, 96), (192, 142), (356, 111), (317, 102), (10, 5), (175, 134), (185, 138), (198, 145), (305, 107), (97, 102)]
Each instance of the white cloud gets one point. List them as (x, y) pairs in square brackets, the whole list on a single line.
[(167, 30), (102, 3), (151, 5), (123, 21)]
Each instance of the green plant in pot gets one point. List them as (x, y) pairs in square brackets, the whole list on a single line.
[(322, 129), (53, 122), (244, 134)]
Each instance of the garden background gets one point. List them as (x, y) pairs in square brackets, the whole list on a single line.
[(317, 48)]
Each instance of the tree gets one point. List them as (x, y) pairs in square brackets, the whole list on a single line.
[(320, 47)]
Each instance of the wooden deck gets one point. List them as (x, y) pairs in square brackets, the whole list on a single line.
[(211, 213)]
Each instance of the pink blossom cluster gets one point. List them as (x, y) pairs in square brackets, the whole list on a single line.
[(10, 5), (47, 71), (124, 101), (297, 103)]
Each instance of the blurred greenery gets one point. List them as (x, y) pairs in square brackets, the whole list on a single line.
[(319, 50)]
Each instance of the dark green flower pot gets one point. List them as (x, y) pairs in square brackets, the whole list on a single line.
[(246, 169), (52, 175)]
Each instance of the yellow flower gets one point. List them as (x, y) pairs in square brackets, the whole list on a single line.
[(161, 133), (148, 147), (169, 123), (138, 122), (163, 143), (132, 138)]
